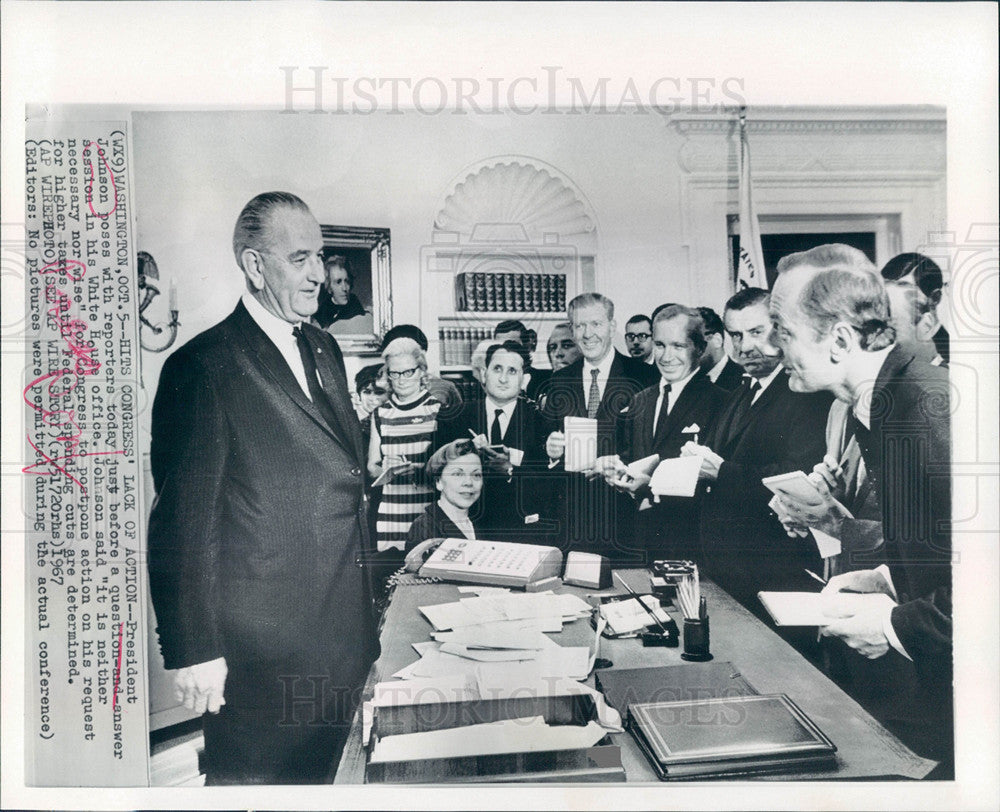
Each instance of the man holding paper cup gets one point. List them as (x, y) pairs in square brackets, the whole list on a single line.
[(654, 428), (832, 319)]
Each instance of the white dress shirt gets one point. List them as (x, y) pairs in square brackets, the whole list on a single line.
[(505, 416), (716, 371), (604, 372), (766, 382), (280, 333), (675, 392)]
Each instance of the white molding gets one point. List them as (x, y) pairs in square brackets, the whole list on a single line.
[(814, 119)]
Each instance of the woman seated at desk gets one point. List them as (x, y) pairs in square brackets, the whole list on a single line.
[(457, 472)]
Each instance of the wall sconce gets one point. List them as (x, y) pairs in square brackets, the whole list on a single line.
[(149, 291)]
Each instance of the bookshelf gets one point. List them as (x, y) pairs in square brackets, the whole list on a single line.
[(474, 288)]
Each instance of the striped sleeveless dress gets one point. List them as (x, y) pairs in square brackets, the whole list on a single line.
[(405, 431)]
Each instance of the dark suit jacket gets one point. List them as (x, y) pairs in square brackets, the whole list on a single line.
[(668, 528), (593, 517), (259, 518), (908, 455), (508, 500), (748, 549), (539, 377), (433, 523), (730, 377), (943, 343)]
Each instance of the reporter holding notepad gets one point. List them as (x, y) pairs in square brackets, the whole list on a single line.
[(660, 421), (832, 319), (763, 429), (402, 433)]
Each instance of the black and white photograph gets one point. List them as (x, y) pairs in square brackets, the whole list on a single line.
[(403, 430)]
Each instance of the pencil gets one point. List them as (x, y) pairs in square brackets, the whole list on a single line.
[(643, 605), (812, 574)]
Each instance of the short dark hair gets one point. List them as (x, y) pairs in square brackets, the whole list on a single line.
[(748, 297), (695, 325), (510, 326), (449, 452), (253, 223), (510, 346), (366, 376), (404, 331), (926, 273), (639, 317), (659, 308), (713, 322)]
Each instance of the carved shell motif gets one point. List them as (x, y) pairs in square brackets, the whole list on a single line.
[(513, 193)]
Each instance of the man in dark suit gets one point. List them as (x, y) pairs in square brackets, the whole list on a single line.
[(508, 430), (715, 361), (832, 319), (923, 273), (598, 385), (660, 421), (763, 429), (259, 521)]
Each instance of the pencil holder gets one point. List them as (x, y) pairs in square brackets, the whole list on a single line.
[(696, 640)]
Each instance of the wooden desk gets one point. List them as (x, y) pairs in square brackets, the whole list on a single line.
[(864, 748)]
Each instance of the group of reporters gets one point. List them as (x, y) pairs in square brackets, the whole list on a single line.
[(837, 373), (263, 509)]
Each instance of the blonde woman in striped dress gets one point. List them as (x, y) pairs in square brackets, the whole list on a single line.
[(402, 433)]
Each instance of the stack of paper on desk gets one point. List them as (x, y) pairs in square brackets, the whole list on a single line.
[(507, 736), (627, 616), (491, 608), (573, 662)]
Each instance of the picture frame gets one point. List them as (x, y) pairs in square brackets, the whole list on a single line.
[(367, 255)]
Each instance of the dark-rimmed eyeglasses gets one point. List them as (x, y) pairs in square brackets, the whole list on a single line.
[(396, 374)]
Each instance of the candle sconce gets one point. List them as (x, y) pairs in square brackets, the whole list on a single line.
[(149, 275)]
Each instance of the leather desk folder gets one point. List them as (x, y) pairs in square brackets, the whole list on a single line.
[(601, 762), (625, 686), (729, 736)]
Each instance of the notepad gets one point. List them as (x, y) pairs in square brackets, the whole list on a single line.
[(819, 609), (794, 484), (677, 476), (581, 443)]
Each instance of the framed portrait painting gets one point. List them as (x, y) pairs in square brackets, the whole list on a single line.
[(355, 303)]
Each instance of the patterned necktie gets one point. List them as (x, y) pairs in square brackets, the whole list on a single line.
[(594, 398), (319, 398), (496, 438)]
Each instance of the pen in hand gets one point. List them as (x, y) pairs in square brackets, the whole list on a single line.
[(813, 575)]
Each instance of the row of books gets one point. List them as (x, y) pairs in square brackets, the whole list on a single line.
[(506, 292), (457, 343)]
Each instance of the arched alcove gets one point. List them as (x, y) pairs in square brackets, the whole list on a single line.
[(514, 238)]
